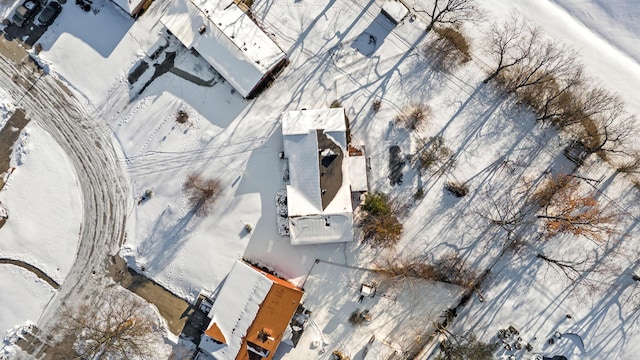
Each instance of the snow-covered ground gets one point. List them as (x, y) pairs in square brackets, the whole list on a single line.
[(498, 148), (332, 294), (23, 299), (44, 203)]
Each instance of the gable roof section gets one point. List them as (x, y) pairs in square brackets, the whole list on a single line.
[(234, 310), (231, 42), (318, 194), (273, 317)]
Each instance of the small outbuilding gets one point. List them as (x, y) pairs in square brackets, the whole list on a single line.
[(394, 11)]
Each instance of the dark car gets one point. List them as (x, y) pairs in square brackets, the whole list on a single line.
[(23, 12), (49, 13)]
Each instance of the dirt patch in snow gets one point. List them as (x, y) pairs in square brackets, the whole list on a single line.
[(9, 134), (182, 318)]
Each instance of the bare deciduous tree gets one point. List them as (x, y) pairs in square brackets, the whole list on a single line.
[(508, 211), (571, 210), (510, 44), (451, 12), (202, 193), (549, 61), (115, 328), (576, 271), (609, 129)]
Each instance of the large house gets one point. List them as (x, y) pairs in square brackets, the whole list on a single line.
[(249, 316), (227, 38), (322, 176)]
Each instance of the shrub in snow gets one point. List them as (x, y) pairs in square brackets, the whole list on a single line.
[(458, 189), (359, 317), (380, 226), (434, 156), (182, 117), (338, 355), (449, 50), (463, 349), (414, 116), (377, 103), (335, 104)]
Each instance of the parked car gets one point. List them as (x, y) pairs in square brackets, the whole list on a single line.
[(49, 13), (24, 12)]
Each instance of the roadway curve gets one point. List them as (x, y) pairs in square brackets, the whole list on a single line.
[(85, 138)]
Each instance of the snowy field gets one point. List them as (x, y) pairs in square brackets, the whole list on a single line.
[(25, 301), (45, 237), (498, 149)]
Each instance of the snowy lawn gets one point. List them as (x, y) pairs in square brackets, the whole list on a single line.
[(26, 299), (43, 236), (332, 294), (90, 50), (346, 51)]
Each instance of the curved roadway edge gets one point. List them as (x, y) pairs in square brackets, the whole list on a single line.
[(105, 190), (39, 273)]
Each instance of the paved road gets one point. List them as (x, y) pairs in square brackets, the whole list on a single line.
[(86, 141)]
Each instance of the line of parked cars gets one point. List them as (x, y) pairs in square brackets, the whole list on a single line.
[(29, 8)]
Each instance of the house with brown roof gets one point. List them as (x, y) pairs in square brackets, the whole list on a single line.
[(249, 316)]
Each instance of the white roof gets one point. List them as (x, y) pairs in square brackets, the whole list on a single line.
[(309, 223), (320, 229), (395, 10), (231, 42), (358, 173), (128, 5), (301, 122), (235, 308)]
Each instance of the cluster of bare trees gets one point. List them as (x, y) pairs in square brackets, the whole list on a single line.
[(450, 268), (545, 75), (114, 328)]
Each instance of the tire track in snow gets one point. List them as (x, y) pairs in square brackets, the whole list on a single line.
[(105, 192)]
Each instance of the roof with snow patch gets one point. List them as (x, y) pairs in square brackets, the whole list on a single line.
[(394, 10), (319, 190), (226, 38), (234, 310), (250, 314)]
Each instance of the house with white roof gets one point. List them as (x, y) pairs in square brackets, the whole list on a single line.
[(228, 39), (249, 316), (322, 176)]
